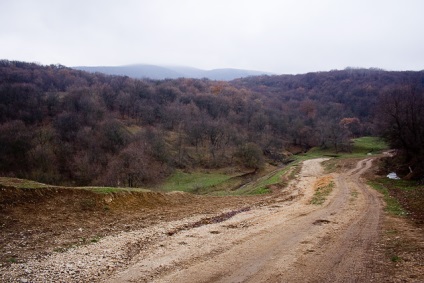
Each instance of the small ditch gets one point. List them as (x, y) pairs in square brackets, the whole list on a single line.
[(321, 221), (208, 220)]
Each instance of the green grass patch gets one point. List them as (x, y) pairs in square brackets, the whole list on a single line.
[(193, 182), (321, 193), (392, 204), (95, 239), (110, 190), (273, 179), (316, 152), (276, 178), (365, 145), (103, 190), (219, 184), (403, 197), (13, 260), (28, 184), (260, 191), (360, 148), (395, 258), (262, 185), (21, 183)]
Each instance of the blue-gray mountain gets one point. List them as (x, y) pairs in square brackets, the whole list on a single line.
[(171, 72)]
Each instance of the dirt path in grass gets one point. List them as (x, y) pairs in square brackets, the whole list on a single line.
[(277, 238), (286, 242)]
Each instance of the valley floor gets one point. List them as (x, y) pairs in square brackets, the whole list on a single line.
[(281, 237)]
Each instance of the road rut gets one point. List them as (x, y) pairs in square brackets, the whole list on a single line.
[(281, 242)]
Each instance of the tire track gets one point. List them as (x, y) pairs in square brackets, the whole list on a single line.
[(292, 243), (345, 257)]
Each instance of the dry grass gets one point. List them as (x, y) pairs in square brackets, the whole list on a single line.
[(323, 187)]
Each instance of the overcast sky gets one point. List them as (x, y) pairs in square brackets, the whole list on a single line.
[(280, 36)]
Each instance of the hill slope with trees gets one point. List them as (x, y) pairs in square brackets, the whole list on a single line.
[(63, 126)]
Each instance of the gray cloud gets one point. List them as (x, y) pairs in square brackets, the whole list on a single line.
[(291, 36)]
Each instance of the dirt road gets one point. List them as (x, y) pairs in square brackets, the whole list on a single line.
[(282, 242), (281, 238)]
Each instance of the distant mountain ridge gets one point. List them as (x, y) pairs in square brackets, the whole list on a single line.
[(155, 72)]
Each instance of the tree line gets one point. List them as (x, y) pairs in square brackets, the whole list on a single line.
[(64, 126)]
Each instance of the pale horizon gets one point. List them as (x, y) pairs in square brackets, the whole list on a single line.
[(281, 37)]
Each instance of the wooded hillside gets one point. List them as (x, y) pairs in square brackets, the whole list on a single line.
[(63, 126)]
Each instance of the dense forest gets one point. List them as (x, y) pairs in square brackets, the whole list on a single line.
[(65, 126)]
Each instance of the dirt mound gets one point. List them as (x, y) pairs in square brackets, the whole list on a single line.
[(11, 197), (56, 198), (36, 222), (57, 218)]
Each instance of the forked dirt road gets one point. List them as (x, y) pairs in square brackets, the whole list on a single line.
[(281, 242), (276, 238)]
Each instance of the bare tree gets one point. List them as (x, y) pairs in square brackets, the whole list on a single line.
[(400, 120)]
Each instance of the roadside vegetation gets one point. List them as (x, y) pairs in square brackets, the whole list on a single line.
[(194, 182), (21, 183), (221, 184), (278, 178), (358, 148), (403, 197), (392, 204), (28, 184), (323, 189)]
